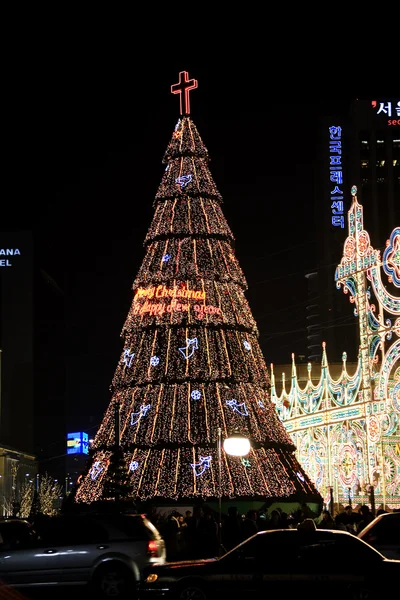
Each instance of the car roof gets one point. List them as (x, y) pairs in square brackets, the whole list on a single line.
[(383, 516), (301, 534), (12, 520)]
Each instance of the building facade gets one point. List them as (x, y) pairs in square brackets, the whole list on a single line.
[(16, 341), (346, 425), (361, 148)]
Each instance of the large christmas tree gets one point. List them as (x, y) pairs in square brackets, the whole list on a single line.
[(191, 363)]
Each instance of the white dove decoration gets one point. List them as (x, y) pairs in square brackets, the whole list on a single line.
[(191, 345), (135, 417), (239, 408), (95, 470), (183, 180), (202, 465)]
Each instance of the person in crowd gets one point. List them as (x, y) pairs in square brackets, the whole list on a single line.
[(366, 517), (188, 515), (274, 522), (231, 529), (348, 518), (211, 538), (171, 536), (249, 525), (326, 521), (195, 533)]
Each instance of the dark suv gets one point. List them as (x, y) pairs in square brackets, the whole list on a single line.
[(108, 552)]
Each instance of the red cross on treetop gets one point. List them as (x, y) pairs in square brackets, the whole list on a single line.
[(183, 87)]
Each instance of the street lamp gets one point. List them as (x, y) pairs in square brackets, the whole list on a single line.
[(235, 445)]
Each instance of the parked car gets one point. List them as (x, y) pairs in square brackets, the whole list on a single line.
[(383, 533), (282, 563), (108, 552)]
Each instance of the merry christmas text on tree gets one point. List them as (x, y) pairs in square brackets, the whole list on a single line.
[(163, 292)]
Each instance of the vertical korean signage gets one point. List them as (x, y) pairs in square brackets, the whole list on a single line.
[(336, 175)]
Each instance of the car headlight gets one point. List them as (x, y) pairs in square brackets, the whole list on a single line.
[(151, 578)]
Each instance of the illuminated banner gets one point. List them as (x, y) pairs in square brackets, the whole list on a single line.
[(163, 292), (6, 262), (390, 109), (160, 308), (77, 443), (336, 175), (179, 302)]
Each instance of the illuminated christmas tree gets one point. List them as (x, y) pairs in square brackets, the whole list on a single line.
[(191, 363)]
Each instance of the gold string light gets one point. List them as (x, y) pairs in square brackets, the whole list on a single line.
[(197, 363)]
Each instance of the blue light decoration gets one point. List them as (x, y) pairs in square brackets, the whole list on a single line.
[(336, 175), (245, 462), (396, 397), (133, 465), (78, 443), (96, 470), (247, 345), (202, 465), (183, 180), (195, 395), (239, 408), (187, 351), (300, 476), (167, 167), (142, 412), (166, 257), (128, 357), (154, 361), (261, 404), (391, 257)]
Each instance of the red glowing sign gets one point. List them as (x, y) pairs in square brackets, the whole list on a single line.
[(183, 87), (156, 302)]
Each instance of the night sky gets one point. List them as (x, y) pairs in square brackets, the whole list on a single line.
[(85, 163)]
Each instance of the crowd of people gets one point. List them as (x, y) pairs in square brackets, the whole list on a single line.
[(196, 534)]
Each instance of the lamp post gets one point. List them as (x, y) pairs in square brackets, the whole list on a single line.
[(234, 445)]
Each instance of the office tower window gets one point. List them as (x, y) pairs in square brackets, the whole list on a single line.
[(364, 164)]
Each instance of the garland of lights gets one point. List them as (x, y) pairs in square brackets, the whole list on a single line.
[(191, 362), (346, 429)]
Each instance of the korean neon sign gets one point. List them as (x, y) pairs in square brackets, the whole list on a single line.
[(336, 175), (390, 109)]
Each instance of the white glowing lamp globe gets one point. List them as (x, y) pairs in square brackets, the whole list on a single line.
[(237, 445)]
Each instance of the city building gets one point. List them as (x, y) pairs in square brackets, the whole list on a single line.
[(17, 456), (361, 148), (345, 423), (16, 341)]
